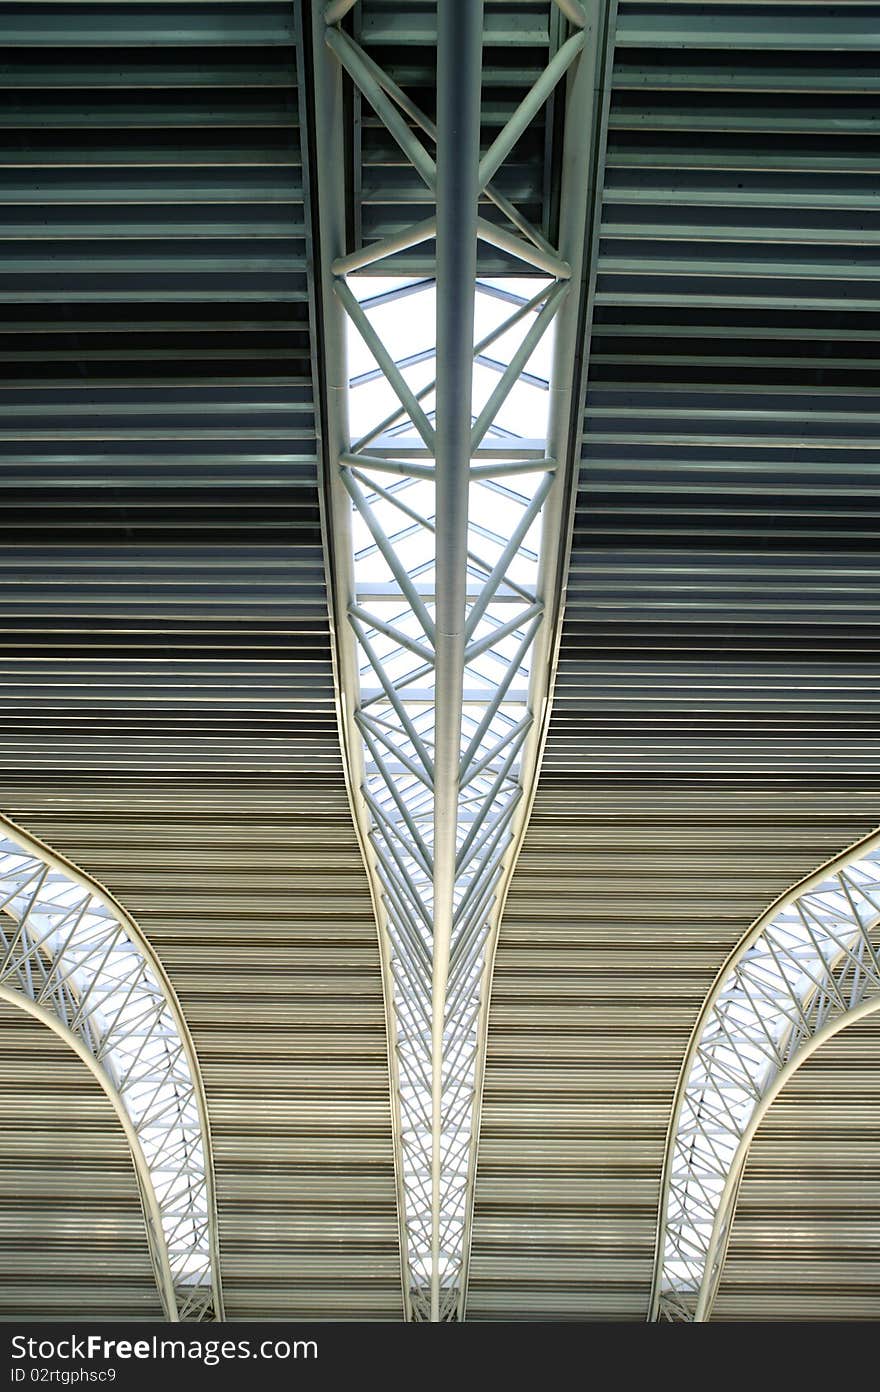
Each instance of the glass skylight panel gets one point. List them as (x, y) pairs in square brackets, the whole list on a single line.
[(393, 534)]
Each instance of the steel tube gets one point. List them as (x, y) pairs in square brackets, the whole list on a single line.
[(377, 251), (486, 342), (352, 59), (402, 390), (529, 107), (524, 466), (572, 10), (533, 256), (482, 645), (402, 468), (459, 76), (371, 621), (424, 123), (479, 607), (337, 10), (410, 730), (394, 565), (519, 358)]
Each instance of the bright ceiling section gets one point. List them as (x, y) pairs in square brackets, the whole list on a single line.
[(73, 959), (69, 1204), (394, 525), (805, 971), (168, 718)]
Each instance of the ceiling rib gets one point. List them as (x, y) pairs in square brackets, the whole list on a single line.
[(444, 694)]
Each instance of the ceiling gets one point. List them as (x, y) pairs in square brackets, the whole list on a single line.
[(167, 701)]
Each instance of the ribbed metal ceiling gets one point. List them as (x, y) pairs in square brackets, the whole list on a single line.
[(805, 1238), (253, 894), (715, 732), (71, 1223), (724, 584), (628, 896), (168, 704)]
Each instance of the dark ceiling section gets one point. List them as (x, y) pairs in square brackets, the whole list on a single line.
[(723, 605), (161, 578), (715, 733), (386, 194)]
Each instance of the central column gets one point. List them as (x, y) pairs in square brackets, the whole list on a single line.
[(459, 76)]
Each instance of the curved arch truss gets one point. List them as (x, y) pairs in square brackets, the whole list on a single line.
[(449, 482), (72, 957), (808, 967)]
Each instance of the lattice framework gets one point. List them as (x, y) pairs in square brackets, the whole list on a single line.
[(808, 967), (72, 957), (446, 524)]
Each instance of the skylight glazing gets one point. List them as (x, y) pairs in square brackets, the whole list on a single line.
[(393, 525)]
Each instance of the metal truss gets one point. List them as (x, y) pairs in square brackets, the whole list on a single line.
[(805, 970), (71, 957), (448, 528)]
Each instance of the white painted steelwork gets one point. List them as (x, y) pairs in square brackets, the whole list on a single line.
[(807, 968), (449, 442), (74, 959)]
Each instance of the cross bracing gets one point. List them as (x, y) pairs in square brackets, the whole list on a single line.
[(449, 483), (74, 959), (807, 968)]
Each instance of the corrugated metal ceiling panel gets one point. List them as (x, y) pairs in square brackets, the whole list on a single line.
[(715, 734), (252, 892), (71, 1225), (627, 897), (805, 1242)]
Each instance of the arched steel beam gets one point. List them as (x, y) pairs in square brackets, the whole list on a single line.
[(806, 968), (72, 957)]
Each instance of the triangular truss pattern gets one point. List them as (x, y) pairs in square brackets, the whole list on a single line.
[(71, 956), (808, 967), (449, 486)]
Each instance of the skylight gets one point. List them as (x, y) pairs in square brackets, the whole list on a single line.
[(391, 484)]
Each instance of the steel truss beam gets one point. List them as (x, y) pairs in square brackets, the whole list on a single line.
[(72, 957), (807, 968), (446, 620)]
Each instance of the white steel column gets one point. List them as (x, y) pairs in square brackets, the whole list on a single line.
[(459, 77)]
